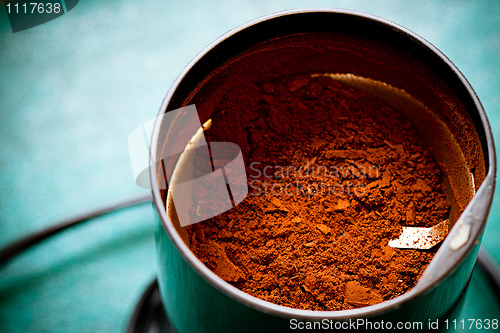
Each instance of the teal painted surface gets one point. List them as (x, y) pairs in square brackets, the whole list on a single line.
[(72, 89)]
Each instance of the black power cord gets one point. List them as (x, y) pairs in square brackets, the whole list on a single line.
[(21, 245), (491, 268), (149, 315)]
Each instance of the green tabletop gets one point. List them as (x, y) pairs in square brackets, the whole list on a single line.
[(72, 89)]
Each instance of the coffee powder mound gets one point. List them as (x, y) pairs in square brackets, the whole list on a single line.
[(333, 174)]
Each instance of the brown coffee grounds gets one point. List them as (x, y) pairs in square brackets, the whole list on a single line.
[(333, 175)]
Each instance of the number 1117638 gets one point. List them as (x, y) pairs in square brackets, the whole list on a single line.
[(34, 8), (471, 324)]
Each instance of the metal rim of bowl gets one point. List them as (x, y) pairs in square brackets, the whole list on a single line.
[(272, 308)]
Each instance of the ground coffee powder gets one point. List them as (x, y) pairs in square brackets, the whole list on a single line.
[(333, 174)]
